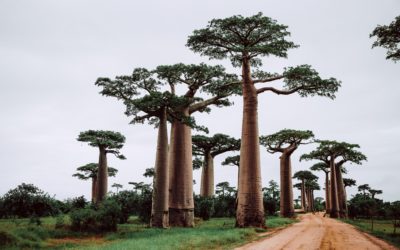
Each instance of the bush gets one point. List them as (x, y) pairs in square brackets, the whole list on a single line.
[(7, 238), (26, 200), (104, 218), (128, 200), (204, 207)]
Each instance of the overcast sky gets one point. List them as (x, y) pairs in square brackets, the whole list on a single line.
[(51, 53)]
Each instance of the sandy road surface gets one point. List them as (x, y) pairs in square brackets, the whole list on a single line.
[(317, 232)]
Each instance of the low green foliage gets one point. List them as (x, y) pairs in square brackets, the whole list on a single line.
[(101, 219), (219, 233), (382, 229)]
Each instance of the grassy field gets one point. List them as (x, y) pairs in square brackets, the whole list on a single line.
[(217, 233), (383, 229)]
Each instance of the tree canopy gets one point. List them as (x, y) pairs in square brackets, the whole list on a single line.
[(388, 37), (110, 140), (286, 139), (320, 166), (248, 38), (327, 149), (305, 175), (215, 145), (348, 182), (90, 171), (232, 160)]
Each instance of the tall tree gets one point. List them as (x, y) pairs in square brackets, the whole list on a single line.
[(305, 176), (209, 148), (336, 154), (212, 80), (244, 40), (388, 37), (286, 142), (322, 166), (89, 171), (107, 142)]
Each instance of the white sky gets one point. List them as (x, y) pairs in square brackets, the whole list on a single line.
[(51, 53)]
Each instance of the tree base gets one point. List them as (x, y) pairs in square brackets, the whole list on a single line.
[(287, 214), (334, 214), (256, 220), (181, 217), (160, 219)]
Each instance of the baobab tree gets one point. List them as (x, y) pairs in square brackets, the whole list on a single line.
[(305, 176), (336, 154), (108, 142), (149, 172), (322, 166), (224, 187), (388, 37), (89, 171), (209, 148), (286, 142), (374, 192), (244, 40), (364, 188), (117, 186), (212, 80), (310, 186), (233, 161), (155, 107)]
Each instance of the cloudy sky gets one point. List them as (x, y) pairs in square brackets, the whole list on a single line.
[(51, 53)]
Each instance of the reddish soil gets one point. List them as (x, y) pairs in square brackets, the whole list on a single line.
[(317, 232)]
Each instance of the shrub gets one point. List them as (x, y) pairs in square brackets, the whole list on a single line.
[(27, 200), (204, 208), (7, 238), (103, 218)]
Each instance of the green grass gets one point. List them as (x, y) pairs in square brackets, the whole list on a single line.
[(217, 233), (383, 229)]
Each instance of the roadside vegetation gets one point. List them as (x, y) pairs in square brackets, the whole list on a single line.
[(215, 233)]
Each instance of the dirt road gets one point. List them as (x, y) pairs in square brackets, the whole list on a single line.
[(317, 232)]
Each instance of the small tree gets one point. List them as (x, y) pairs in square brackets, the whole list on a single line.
[(388, 37), (209, 148), (364, 188), (286, 142), (394, 211), (322, 166), (107, 142), (117, 186), (90, 171), (304, 176), (244, 40)]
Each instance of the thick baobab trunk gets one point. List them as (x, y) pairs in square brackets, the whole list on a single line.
[(327, 196), (159, 213), (94, 188), (286, 196), (303, 196), (341, 195), (207, 176), (250, 210), (181, 206), (334, 195), (102, 176)]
